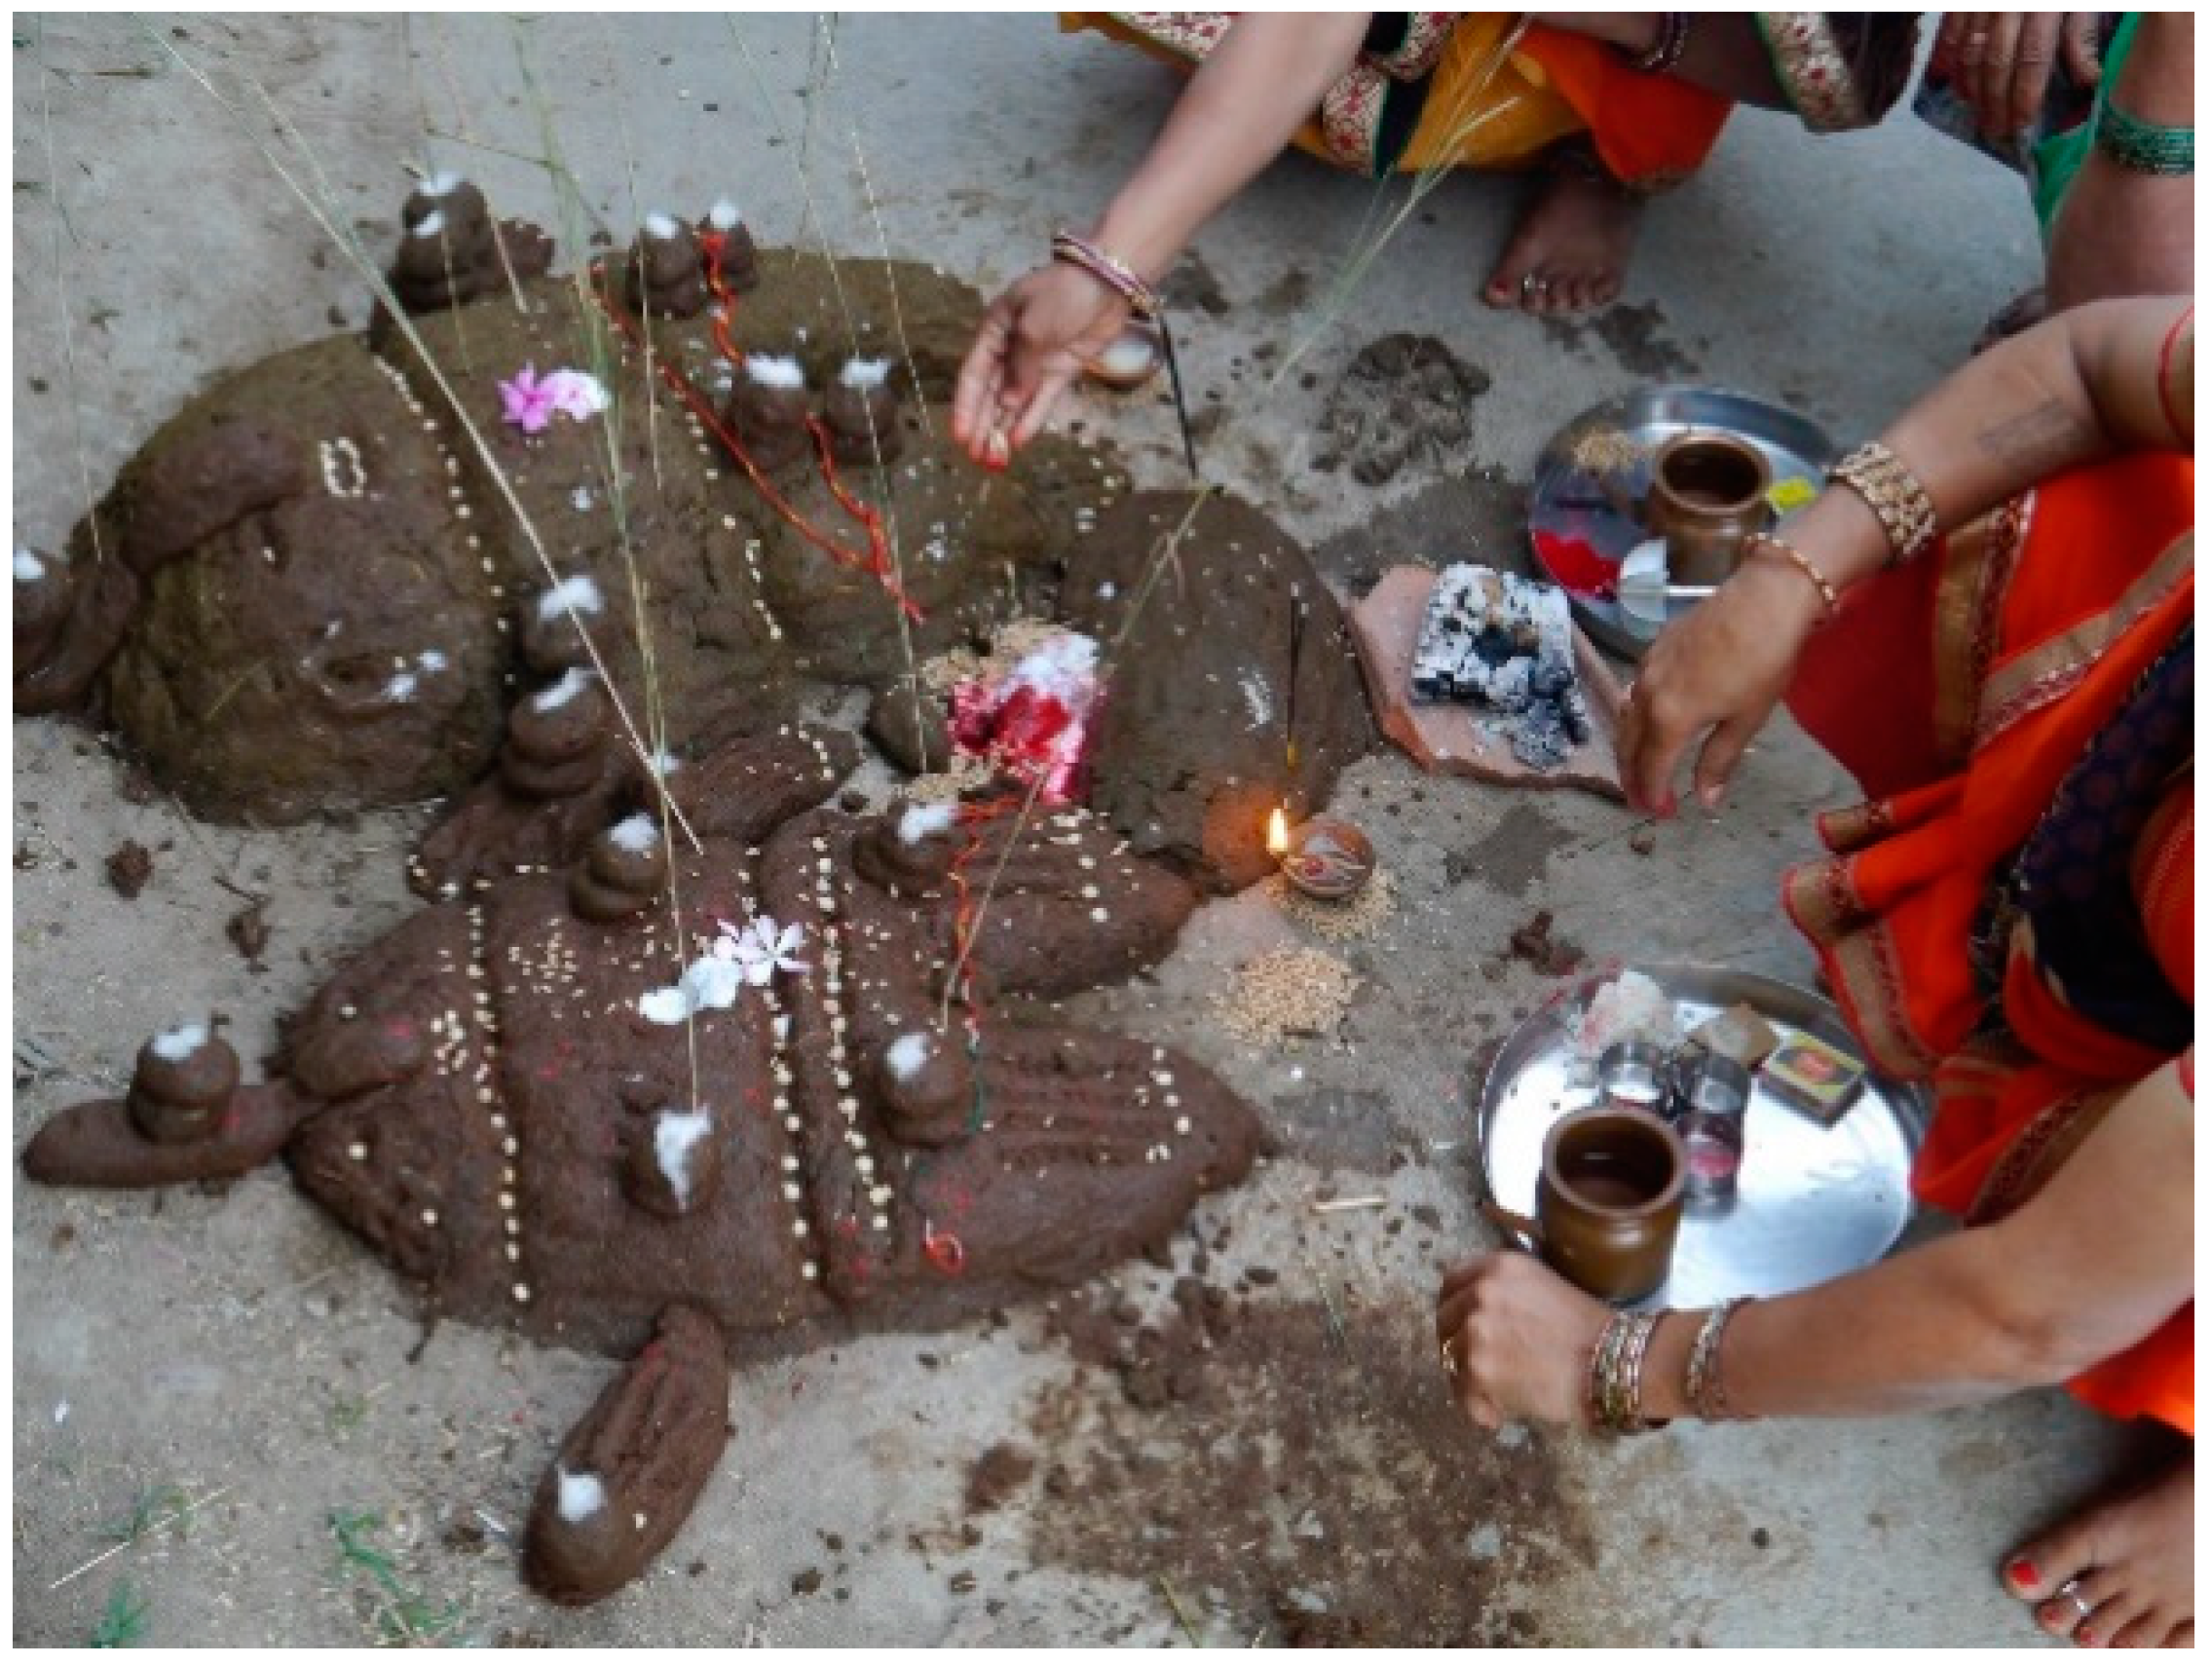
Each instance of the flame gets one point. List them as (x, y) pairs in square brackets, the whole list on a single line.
[(1278, 832)]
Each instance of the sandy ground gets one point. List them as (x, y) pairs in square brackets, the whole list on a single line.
[(230, 1343)]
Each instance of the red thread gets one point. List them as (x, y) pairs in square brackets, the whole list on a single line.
[(943, 1249), (2182, 430), (878, 558)]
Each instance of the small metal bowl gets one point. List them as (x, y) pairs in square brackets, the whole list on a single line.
[(1633, 1075)]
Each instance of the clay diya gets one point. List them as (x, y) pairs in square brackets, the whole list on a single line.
[(1326, 858), (1709, 495)]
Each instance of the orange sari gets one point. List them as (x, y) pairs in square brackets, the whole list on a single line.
[(1459, 90), (2047, 621)]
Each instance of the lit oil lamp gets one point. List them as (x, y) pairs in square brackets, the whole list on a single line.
[(1326, 858)]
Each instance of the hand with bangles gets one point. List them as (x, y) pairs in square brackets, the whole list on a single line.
[(1034, 340), (2079, 387), (1517, 1340)]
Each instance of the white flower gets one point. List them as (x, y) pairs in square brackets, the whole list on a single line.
[(762, 949)]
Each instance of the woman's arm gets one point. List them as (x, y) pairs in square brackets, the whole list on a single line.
[(1242, 107), (2092, 1264), (2079, 387)]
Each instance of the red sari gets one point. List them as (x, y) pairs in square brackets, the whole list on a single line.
[(2008, 659)]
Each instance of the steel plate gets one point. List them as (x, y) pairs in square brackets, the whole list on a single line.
[(1812, 1202), (1568, 502)]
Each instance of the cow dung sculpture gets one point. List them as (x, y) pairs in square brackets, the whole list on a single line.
[(677, 1064)]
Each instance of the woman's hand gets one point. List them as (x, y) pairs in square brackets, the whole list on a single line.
[(1517, 1340), (1721, 666), (1034, 340), (2001, 62)]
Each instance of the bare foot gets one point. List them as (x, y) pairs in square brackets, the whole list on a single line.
[(2128, 1562), (1570, 249)]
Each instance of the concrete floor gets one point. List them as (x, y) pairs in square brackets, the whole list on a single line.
[(231, 1340)]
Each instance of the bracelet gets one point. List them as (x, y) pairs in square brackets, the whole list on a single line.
[(1615, 1386), (1116, 275), (1665, 53), (1830, 601), (1895, 495), (2145, 147), (1700, 1379)]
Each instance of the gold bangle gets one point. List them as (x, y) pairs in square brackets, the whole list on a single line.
[(1894, 494), (1797, 558), (1700, 1379)]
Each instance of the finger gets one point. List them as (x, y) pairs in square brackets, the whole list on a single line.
[(1717, 758), (2033, 59), (1452, 1315), (1050, 386), (1482, 1410), (1947, 39), (1666, 736), (1628, 742), (2078, 41), (1460, 1276), (1995, 95), (980, 373)]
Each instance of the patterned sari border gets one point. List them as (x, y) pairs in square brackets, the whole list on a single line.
[(1978, 563), (1862, 965), (1812, 69), (2046, 672), (2040, 1150)]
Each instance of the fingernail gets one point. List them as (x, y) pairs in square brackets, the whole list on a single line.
[(2021, 1574), (1709, 797)]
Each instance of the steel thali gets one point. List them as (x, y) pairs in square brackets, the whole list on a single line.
[(1583, 518), (1812, 1202)]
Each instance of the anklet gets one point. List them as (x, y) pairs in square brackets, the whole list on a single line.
[(1116, 275), (1830, 603), (1895, 495), (2145, 147)]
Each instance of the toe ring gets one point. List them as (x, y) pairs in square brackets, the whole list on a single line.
[(2072, 1591)]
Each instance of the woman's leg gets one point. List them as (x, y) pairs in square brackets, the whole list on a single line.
[(1572, 248), (2128, 1560)]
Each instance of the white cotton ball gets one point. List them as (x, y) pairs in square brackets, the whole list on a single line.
[(863, 375), (581, 1495), (674, 1134), (179, 1043), (774, 371), (578, 595), (660, 226), (637, 834), (574, 681), (924, 821), (723, 215), (431, 224), (29, 569), (907, 1056)]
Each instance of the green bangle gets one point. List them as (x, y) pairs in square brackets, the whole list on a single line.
[(2145, 147)]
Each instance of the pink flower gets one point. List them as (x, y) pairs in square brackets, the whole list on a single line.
[(526, 403), (577, 394)]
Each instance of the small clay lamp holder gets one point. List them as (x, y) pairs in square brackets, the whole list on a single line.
[(925, 1086), (862, 411), (674, 1165), (556, 738), (727, 248), (1709, 495), (624, 870), (768, 411), (1327, 858), (44, 598), (182, 1085), (665, 271)]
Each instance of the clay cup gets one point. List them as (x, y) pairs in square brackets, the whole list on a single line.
[(1608, 1202), (1709, 495)]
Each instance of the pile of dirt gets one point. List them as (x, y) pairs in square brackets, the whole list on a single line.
[(1404, 400), (1299, 1474)]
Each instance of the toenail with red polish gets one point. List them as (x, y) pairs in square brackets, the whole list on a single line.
[(2021, 1573)]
